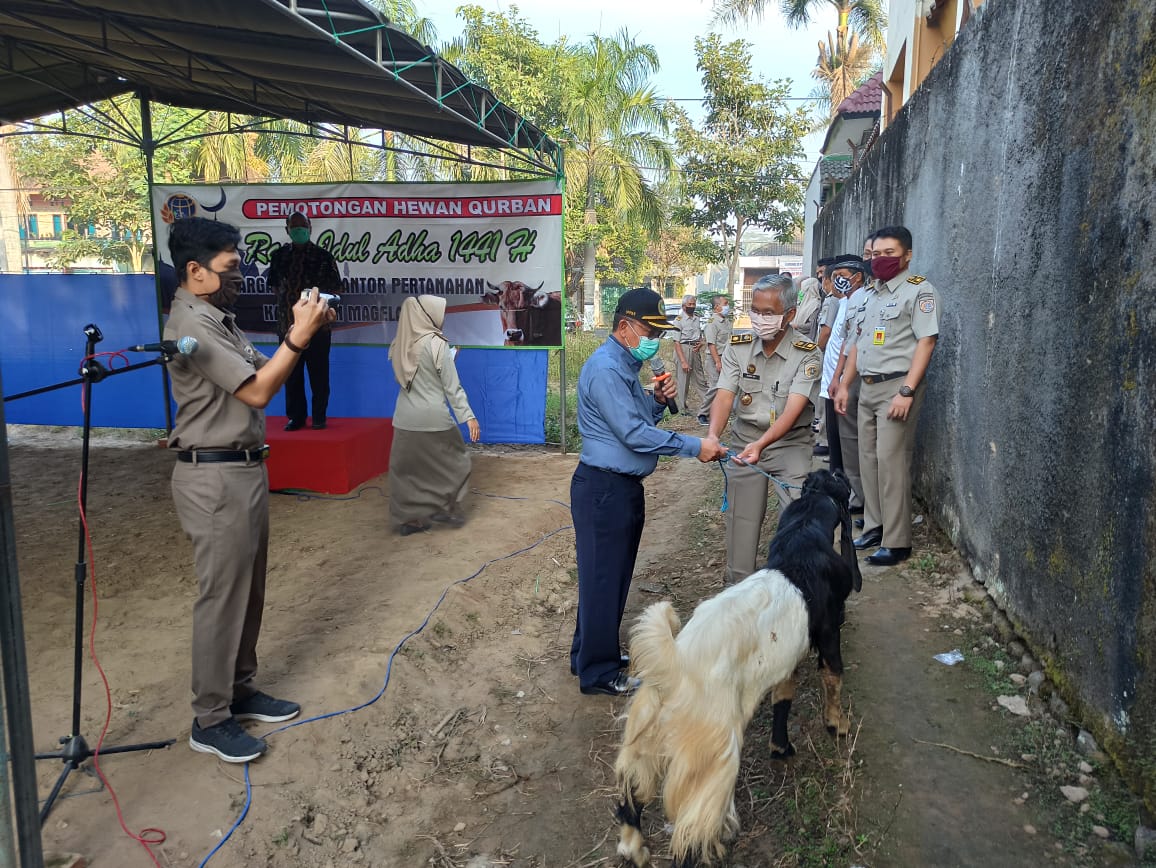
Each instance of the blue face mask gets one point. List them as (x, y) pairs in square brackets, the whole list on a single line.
[(647, 347)]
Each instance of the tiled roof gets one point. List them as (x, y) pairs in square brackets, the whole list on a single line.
[(866, 100)]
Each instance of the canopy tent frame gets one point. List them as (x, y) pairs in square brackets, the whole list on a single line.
[(57, 55)]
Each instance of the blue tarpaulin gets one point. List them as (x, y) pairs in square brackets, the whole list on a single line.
[(42, 342)]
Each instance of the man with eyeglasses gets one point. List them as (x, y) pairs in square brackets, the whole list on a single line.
[(775, 375), (621, 444)]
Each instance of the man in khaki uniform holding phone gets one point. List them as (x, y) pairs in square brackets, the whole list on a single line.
[(775, 374), (895, 334), (220, 487)]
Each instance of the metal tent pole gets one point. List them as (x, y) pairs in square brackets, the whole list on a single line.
[(17, 700), (148, 147)]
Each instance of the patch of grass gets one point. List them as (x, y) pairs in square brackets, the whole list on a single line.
[(441, 630), (281, 838), (927, 564), (994, 675)]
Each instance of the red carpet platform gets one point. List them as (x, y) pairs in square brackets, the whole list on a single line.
[(334, 461)]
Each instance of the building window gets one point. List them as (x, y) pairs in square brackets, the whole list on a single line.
[(33, 226), (57, 225)]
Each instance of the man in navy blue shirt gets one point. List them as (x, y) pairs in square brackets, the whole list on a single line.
[(621, 444)]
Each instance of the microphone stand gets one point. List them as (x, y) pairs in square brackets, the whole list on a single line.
[(75, 750)]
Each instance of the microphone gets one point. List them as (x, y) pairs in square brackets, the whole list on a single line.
[(661, 375), (184, 346)]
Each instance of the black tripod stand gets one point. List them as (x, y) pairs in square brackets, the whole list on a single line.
[(75, 751)]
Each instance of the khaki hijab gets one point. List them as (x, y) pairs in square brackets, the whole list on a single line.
[(421, 317)]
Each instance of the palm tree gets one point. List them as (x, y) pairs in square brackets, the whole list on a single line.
[(403, 15), (615, 147), (865, 17), (841, 69)]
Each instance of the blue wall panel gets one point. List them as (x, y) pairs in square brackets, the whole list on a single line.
[(41, 342)]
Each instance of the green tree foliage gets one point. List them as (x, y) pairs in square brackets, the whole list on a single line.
[(102, 184), (868, 18), (741, 166), (615, 139), (502, 52)]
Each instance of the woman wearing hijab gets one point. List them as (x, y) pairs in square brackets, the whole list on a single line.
[(429, 468)]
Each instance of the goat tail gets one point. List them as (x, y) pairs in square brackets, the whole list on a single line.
[(653, 653)]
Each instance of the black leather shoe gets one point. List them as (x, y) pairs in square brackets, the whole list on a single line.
[(858, 523), (886, 557), (294, 425), (870, 538), (318, 426), (620, 685), (623, 661), (703, 420)]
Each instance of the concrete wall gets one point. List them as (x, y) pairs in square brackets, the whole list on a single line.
[(1026, 168)]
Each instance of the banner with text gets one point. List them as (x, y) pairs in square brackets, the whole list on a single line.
[(493, 251)]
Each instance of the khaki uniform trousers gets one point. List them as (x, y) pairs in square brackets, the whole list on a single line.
[(747, 491), (224, 508), (697, 373), (849, 444), (712, 373), (885, 449)]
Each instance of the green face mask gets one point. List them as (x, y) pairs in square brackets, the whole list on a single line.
[(299, 234)]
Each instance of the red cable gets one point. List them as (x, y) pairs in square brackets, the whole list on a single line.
[(150, 837)]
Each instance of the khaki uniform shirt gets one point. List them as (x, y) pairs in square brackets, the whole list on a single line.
[(208, 414), (892, 320), (422, 407), (689, 328), (718, 332), (805, 321), (762, 384), (851, 321), (829, 311)]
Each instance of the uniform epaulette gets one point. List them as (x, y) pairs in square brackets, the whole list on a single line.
[(806, 345), (742, 339), (916, 279)]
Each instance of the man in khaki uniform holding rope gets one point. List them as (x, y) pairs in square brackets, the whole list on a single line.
[(775, 373), (220, 487), (896, 330)]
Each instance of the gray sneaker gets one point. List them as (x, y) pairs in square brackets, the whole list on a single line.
[(262, 706), (227, 740)]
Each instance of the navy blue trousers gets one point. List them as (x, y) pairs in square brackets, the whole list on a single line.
[(609, 510)]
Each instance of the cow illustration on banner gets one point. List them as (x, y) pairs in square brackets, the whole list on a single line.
[(493, 251)]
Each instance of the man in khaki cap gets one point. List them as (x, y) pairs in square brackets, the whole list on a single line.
[(716, 336), (895, 334), (775, 375), (220, 487), (688, 349)]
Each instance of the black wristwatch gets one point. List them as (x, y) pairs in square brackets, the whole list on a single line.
[(906, 391)]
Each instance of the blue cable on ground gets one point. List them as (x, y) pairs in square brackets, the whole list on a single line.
[(388, 668)]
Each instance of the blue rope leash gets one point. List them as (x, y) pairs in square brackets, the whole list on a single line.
[(388, 669), (722, 465)]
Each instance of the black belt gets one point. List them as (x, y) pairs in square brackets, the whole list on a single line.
[(634, 476), (210, 456), (872, 379)]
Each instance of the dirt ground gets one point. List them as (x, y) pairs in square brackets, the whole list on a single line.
[(481, 751)]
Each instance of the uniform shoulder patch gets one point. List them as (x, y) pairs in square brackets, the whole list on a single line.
[(916, 279), (742, 339), (805, 345)]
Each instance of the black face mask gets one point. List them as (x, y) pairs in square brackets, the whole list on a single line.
[(231, 283), (689, 310)]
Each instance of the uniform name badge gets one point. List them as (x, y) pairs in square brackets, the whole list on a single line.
[(773, 416), (880, 336)]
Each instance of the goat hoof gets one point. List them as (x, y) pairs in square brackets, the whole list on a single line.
[(631, 847), (841, 727), (782, 753)]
